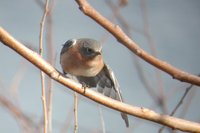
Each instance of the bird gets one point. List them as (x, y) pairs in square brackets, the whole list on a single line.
[(82, 58)]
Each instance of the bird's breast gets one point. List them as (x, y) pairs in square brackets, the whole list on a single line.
[(78, 65)]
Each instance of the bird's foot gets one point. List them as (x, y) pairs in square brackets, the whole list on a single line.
[(84, 86)]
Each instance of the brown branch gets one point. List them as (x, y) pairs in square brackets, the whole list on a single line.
[(130, 44), (45, 130), (140, 112)]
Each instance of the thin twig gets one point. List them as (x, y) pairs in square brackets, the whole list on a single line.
[(181, 100), (51, 58), (41, 72), (187, 104), (75, 112), (178, 105), (102, 119), (144, 113), (117, 32)]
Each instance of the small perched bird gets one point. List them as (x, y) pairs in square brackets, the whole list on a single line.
[(83, 59)]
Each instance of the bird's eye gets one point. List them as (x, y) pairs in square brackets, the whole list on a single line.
[(89, 50)]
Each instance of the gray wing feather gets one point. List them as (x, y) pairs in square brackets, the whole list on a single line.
[(107, 84), (117, 93)]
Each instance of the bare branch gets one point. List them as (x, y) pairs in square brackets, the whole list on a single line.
[(41, 72), (117, 32)]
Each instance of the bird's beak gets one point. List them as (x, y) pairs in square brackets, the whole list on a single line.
[(98, 53)]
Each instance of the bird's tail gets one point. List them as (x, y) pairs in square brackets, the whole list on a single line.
[(125, 118)]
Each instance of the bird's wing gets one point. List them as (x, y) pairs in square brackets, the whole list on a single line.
[(114, 83), (109, 86)]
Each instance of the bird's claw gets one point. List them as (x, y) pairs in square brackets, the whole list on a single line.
[(84, 86)]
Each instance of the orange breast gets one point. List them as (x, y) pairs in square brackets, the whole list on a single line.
[(74, 63)]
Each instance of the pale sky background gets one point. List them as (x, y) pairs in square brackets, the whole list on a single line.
[(174, 26)]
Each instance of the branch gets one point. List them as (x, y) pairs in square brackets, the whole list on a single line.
[(140, 112), (42, 76), (117, 32)]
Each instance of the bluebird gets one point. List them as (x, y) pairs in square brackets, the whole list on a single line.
[(83, 59)]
